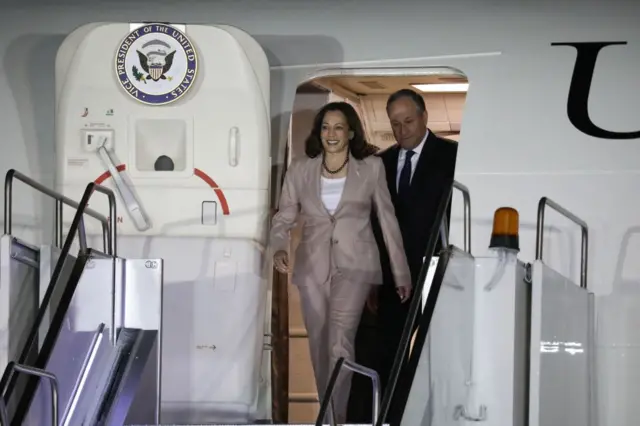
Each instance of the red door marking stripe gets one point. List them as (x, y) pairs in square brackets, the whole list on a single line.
[(223, 200), (224, 205)]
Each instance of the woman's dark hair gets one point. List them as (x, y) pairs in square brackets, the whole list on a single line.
[(358, 146)]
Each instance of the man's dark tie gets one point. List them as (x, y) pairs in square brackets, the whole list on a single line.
[(405, 176)]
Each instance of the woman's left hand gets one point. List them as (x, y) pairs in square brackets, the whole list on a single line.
[(404, 293)]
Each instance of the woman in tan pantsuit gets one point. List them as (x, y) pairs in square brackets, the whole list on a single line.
[(332, 189)]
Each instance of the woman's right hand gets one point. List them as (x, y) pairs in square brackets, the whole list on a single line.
[(281, 261)]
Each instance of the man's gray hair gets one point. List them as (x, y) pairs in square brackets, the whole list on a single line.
[(411, 94)]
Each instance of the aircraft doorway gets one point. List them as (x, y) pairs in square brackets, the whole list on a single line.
[(444, 91)]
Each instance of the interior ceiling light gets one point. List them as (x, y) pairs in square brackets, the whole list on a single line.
[(442, 88)]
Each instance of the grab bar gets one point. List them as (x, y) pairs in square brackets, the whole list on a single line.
[(356, 368), (466, 199), (544, 201), (60, 201), (32, 371)]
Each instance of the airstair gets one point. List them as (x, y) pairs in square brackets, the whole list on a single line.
[(82, 335), (88, 325)]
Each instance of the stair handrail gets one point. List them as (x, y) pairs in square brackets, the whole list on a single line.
[(64, 253), (584, 256), (434, 235), (14, 367), (75, 225), (356, 368), (60, 201), (466, 200), (4, 416)]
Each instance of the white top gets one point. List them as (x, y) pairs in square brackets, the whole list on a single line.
[(414, 159), (331, 192)]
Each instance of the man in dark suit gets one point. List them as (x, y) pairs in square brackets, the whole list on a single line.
[(419, 168)]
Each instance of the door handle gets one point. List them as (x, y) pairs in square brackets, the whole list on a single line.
[(234, 142)]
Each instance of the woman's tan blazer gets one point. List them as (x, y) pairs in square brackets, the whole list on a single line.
[(343, 241)]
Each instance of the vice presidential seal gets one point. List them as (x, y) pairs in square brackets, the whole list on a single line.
[(156, 64)]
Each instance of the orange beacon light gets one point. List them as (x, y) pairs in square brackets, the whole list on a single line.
[(505, 229)]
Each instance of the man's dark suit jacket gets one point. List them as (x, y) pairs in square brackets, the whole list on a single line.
[(433, 174)]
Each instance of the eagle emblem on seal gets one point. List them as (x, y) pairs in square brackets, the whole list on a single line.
[(154, 61)]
